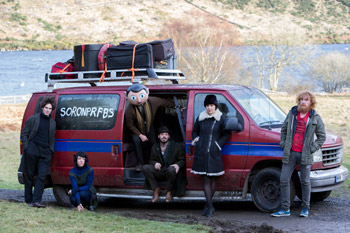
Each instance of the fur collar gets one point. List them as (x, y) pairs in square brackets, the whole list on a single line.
[(204, 115)]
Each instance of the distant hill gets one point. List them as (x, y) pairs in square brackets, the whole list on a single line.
[(52, 24)]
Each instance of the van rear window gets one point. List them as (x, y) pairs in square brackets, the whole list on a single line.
[(87, 112)]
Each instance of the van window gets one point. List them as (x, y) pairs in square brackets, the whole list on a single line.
[(224, 105), (87, 112)]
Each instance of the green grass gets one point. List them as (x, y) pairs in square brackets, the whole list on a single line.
[(18, 217), (9, 160)]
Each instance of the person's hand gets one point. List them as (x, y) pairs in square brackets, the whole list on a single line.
[(157, 166), (69, 192), (80, 207), (193, 143), (143, 137), (183, 109), (177, 168)]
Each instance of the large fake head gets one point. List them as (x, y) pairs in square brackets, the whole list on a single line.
[(137, 94)]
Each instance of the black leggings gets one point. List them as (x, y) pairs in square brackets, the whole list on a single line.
[(209, 187)]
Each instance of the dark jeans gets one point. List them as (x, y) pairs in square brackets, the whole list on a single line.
[(286, 173), (165, 174), (86, 198), (143, 149), (37, 161)]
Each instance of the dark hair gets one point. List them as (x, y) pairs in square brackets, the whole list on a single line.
[(211, 99), (136, 88), (48, 100), (83, 155)]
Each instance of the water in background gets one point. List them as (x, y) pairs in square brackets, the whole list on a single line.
[(23, 72)]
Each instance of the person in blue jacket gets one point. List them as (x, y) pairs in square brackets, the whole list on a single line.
[(83, 193)]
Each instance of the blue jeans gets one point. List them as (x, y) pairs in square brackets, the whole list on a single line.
[(286, 173), (86, 198)]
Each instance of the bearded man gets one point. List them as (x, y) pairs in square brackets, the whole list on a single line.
[(298, 143), (167, 163)]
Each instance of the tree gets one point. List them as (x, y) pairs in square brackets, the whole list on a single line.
[(332, 70), (271, 60), (206, 63), (204, 47)]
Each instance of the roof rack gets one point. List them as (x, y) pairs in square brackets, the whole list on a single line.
[(93, 77), (170, 73)]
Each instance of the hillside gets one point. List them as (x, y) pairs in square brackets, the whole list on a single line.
[(32, 24)]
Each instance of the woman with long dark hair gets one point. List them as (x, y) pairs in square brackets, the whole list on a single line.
[(83, 193), (209, 136)]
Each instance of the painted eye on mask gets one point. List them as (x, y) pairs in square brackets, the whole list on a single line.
[(133, 97), (142, 96)]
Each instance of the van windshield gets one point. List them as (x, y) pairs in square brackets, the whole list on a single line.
[(261, 108)]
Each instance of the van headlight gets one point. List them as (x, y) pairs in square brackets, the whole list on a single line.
[(317, 155)]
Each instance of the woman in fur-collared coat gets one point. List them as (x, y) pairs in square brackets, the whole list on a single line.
[(209, 137)]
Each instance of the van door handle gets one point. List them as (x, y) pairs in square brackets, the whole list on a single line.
[(190, 150), (115, 150)]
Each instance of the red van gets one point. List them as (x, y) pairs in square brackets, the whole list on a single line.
[(91, 119)]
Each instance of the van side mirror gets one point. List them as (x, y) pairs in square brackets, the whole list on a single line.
[(232, 124)]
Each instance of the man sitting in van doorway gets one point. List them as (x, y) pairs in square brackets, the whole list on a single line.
[(139, 116), (167, 163)]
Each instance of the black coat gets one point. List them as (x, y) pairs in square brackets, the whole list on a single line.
[(175, 153), (212, 137), (29, 131)]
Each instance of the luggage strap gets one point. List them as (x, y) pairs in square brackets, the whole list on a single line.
[(64, 69), (103, 75), (132, 69)]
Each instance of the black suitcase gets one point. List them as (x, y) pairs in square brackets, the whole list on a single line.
[(162, 49), (85, 58), (121, 57)]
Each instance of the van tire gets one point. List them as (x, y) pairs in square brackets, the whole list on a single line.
[(61, 195), (265, 190), (319, 196)]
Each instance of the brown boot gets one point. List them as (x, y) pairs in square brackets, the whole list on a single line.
[(156, 193), (169, 196)]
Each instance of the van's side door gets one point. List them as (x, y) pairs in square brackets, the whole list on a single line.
[(235, 150), (89, 122)]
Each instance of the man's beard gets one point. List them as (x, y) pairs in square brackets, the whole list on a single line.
[(303, 109), (162, 140)]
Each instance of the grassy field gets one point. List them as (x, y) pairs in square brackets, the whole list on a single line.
[(9, 160), (18, 217)]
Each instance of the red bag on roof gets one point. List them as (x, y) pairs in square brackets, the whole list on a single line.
[(62, 67)]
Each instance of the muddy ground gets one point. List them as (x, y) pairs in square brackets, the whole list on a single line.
[(331, 215)]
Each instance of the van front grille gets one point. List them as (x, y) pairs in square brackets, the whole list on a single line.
[(332, 155)]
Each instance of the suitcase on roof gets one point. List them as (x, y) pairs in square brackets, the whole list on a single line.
[(162, 49), (122, 57), (86, 58)]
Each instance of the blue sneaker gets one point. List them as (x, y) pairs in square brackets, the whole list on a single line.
[(304, 213), (281, 213)]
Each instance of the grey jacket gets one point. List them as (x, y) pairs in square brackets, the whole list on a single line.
[(31, 127), (314, 126)]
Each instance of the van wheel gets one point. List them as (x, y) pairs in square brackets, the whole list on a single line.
[(320, 196), (265, 190), (61, 195)]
